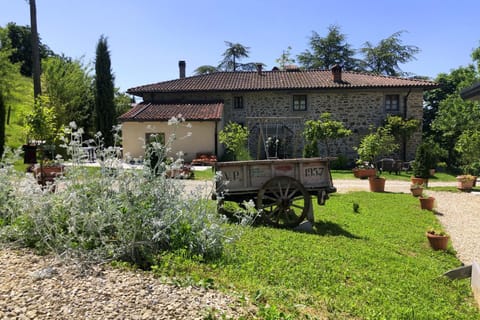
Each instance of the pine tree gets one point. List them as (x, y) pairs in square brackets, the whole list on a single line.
[(104, 92)]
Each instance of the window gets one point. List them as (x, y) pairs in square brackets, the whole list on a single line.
[(154, 137), (299, 103), (238, 102), (392, 102)]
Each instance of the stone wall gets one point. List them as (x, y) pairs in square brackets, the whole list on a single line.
[(360, 111)]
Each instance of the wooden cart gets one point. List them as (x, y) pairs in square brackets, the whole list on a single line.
[(282, 189)]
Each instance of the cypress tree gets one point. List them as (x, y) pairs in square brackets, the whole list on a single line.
[(2, 125), (104, 92)]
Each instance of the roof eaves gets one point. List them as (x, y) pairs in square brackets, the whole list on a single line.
[(472, 92)]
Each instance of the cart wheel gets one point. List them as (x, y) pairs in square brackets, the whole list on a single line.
[(284, 202)]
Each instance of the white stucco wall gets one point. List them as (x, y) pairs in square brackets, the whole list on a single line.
[(201, 139)]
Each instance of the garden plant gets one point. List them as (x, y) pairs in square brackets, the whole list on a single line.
[(113, 213)]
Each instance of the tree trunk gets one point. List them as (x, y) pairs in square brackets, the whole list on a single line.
[(37, 88)]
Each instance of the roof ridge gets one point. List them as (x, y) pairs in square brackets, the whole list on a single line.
[(141, 109)]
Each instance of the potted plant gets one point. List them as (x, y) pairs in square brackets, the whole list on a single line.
[(468, 147), (425, 159), (438, 239), (363, 170), (416, 189), (426, 202), (47, 170), (371, 148), (465, 182)]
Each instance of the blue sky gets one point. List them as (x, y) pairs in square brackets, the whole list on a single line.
[(148, 37)]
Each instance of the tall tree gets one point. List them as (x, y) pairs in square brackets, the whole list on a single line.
[(205, 69), (454, 117), (20, 39), (234, 52), (104, 92), (36, 71), (3, 113), (69, 86), (449, 84), (285, 59), (327, 51), (385, 57)]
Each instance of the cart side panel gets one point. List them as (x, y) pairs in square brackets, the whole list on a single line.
[(259, 174), (284, 169), (315, 175), (235, 175)]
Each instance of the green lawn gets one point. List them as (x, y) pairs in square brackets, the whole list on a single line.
[(204, 174), (403, 176), (375, 264)]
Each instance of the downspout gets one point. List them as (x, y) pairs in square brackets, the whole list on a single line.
[(404, 142), (216, 139)]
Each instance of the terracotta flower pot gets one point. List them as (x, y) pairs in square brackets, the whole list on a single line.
[(427, 203), (464, 183), (377, 184), (364, 173), (438, 242), (418, 181), (416, 192)]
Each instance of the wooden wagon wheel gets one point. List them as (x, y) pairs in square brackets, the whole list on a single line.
[(284, 202)]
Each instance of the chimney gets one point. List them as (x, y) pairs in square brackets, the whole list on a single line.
[(181, 67), (259, 68), (337, 73)]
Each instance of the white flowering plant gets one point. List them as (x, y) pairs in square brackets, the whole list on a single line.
[(110, 213)]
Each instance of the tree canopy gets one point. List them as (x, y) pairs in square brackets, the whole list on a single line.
[(327, 51), (285, 58), (68, 84), (326, 130), (20, 38), (104, 92), (232, 55), (385, 57)]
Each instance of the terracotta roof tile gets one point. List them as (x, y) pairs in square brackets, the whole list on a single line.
[(188, 111), (279, 80)]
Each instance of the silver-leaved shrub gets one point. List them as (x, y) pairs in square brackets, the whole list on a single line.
[(111, 211)]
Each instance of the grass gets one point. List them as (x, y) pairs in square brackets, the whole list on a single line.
[(204, 174), (374, 264), (402, 176)]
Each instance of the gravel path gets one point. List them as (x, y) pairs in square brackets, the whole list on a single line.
[(33, 287)]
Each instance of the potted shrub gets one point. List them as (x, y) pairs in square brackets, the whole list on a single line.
[(416, 189), (438, 239), (364, 170), (371, 148), (47, 170), (426, 202), (425, 159), (465, 182), (468, 147)]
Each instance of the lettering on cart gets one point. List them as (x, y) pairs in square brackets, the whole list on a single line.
[(314, 172), (232, 175)]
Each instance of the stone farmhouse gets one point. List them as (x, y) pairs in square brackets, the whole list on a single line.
[(273, 105)]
